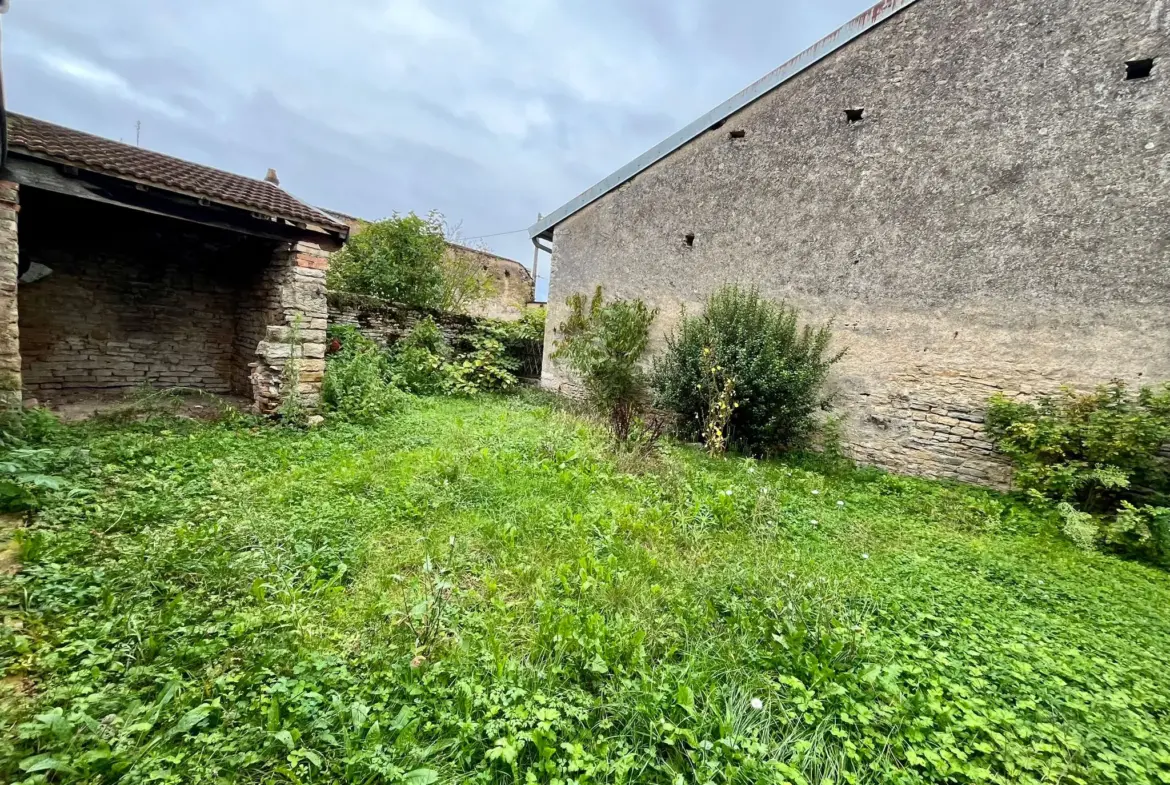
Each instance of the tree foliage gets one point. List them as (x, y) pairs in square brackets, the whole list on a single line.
[(399, 259)]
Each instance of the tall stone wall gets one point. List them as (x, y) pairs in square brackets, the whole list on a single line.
[(995, 221), (10, 381)]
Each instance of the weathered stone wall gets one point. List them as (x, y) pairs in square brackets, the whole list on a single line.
[(997, 221), (386, 323), (10, 382), (512, 285), (132, 299), (291, 296)]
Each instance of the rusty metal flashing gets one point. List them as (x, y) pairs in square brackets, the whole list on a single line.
[(543, 229)]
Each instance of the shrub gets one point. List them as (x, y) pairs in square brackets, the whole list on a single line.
[(423, 362), (1098, 455), (486, 366), (605, 344), (399, 259), (418, 361), (31, 467), (754, 351), (357, 382)]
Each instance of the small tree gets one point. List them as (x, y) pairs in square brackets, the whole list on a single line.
[(606, 344), (745, 373), (399, 259)]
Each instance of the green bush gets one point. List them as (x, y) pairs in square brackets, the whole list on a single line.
[(418, 362), (357, 384), (605, 345), (31, 466), (776, 368), (486, 366), (425, 364), (1099, 457), (399, 259)]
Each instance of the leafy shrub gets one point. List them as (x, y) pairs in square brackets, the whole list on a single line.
[(776, 369), (1098, 455), (357, 382), (486, 366), (399, 259), (425, 364), (30, 467), (418, 362), (605, 344)]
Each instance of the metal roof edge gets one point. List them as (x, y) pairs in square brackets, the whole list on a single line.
[(856, 27)]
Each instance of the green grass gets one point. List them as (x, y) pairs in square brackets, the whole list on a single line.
[(478, 591)]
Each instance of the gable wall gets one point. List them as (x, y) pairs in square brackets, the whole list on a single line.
[(1000, 220)]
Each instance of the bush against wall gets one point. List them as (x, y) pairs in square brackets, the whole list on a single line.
[(746, 366), (418, 362), (605, 344), (1100, 457), (358, 384)]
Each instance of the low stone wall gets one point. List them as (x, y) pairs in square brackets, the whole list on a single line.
[(385, 323)]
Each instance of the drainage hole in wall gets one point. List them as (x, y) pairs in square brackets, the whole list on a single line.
[(738, 134), (689, 238), (1139, 69), (855, 115)]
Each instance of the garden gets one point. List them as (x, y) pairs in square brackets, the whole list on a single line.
[(676, 579)]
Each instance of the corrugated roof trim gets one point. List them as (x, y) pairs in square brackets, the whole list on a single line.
[(814, 54)]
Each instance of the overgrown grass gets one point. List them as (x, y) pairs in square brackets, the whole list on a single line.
[(474, 591)]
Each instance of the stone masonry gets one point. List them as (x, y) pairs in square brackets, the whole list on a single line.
[(132, 300), (296, 316), (989, 216), (10, 383)]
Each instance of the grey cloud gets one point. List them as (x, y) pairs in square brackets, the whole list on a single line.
[(490, 112)]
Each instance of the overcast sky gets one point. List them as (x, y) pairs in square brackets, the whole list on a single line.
[(487, 110)]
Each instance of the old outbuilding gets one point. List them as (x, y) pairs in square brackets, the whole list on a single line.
[(121, 267), (975, 192)]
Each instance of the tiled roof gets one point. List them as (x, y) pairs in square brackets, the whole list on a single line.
[(86, 151)]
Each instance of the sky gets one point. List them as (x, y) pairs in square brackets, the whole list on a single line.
[(490, 111)]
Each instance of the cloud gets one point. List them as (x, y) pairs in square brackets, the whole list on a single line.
[(490, 112)]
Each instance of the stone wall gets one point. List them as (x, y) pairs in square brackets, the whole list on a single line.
[(132, 299), (996, 221), (386, 323), (291, 297), (512, 284), (10, 382)]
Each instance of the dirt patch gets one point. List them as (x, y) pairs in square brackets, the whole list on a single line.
[(138, 403)]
